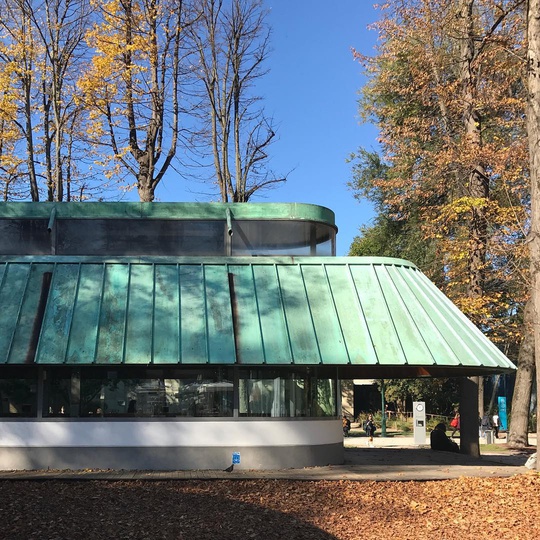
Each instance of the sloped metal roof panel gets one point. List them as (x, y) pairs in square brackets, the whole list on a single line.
[(277, 311)]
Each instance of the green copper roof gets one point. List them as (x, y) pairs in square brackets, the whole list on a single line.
[(176, 211), (372, 316)]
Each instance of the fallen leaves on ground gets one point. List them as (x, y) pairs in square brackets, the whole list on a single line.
[(479, 508)]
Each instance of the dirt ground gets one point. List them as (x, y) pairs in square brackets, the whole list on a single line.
[(465, 508)]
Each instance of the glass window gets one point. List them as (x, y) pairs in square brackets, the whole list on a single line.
[(140, 237), (203, 397), (257, 397), (274, 393), (301, 238), (325, 398), (281, 393), (126, 391), (136, 237), (114, 396), (18, 397), (24, 237), (57, 392)]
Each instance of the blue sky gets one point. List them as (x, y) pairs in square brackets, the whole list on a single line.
[(311, 91)]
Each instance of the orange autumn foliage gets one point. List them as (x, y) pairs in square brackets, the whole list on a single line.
[(446, 91)]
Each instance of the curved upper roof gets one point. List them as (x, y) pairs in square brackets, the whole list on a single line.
[(373, 317), (171, 211)]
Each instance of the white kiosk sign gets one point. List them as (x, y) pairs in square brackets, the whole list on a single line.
[(419, 422)]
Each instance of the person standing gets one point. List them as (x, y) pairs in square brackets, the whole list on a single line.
[(496, 424), (485, 425), (346, 426)]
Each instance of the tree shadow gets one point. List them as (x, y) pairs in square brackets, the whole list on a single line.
[(403, 457), (148, 509)]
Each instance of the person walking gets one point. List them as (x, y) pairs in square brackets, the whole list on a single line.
[(455, 424), (370, 428)]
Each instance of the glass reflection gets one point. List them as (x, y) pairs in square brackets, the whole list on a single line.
[(150, 397), (18, 397), (285, 394), (149, 393)]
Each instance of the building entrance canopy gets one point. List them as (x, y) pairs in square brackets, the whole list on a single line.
[(372, 317)]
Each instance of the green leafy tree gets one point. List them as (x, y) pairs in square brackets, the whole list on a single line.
[(390, 236), (440, 394)]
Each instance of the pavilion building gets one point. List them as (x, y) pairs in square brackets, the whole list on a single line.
[(176, 335)]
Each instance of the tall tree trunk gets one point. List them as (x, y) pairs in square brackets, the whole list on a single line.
[(494, 390), (478, 184), (481, 407), (521, 400), (533, 131), (29, 136), (145, 188)]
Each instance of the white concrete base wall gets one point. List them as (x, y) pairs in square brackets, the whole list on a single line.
[(165, 445)]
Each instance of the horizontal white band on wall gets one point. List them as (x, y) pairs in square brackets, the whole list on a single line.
[(167, 434)]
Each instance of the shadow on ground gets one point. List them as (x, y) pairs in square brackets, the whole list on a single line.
[(399, 457)]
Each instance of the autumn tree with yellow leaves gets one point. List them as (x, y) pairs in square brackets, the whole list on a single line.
[(42, 51), (10, 163), (132, 90), (18, 57), (104, 94)]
